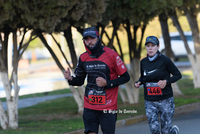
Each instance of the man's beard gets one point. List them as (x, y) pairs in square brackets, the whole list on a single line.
[(91, 45)]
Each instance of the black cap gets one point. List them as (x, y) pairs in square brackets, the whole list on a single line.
[(90, 31), (152, 39)]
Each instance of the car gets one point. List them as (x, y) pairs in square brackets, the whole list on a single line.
[(177, 44)]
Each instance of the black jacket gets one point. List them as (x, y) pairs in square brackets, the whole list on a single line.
[(161, 68)]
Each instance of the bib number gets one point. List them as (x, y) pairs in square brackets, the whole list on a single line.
[(97, 97), (153, 89)]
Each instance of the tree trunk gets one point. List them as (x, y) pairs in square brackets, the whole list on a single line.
[(120, 47), (12, 103), (192, 19), (189, 53), (12, 114), (11, 119), (77, 99), (133, 53), (129, 93), (165, 32), (168, 51), (3, 117), (79, 95), (135, 74), (176, 92), (81, 90), (68, 37), (122, 95), (178, 27), (51, 51), (75, 92), (197, 72)]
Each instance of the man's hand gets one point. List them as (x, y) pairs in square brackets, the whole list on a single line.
[(67, 74), (101, 82), (162, 83)]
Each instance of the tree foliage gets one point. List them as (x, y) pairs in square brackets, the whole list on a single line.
[(45, 14)]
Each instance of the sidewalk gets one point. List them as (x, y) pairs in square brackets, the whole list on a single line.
[(22, 103)]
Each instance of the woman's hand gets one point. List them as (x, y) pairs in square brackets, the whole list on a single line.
[(137, 84), (162, 83)]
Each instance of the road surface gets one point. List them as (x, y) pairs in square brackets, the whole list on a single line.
[(188, 124)]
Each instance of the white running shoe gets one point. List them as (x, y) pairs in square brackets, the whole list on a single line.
[(175, 130)]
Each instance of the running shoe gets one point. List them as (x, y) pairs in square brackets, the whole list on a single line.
[(175, 130)]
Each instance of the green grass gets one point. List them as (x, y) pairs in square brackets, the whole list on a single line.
[(190, 94), (61, 116), (46, 127), (183, 59), (50, 117)]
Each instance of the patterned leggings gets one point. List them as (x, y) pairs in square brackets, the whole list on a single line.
[(166, 110)]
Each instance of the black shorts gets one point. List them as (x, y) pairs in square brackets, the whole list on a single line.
[(93, 118)]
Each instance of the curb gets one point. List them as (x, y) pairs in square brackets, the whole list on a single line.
[(187, 108), (129, 121), (178, 111)]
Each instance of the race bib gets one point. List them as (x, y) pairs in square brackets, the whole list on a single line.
[(153, 89), (97, 97)]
